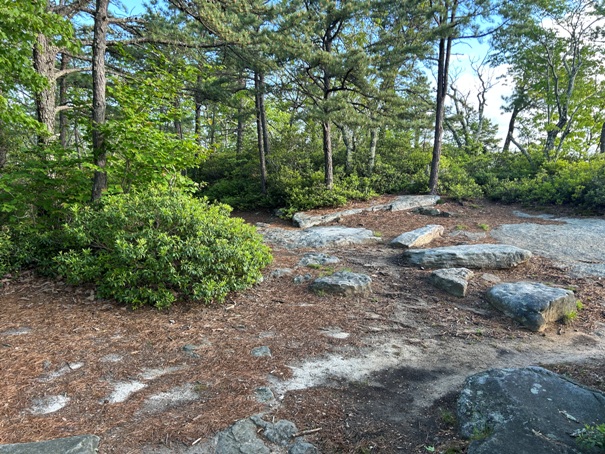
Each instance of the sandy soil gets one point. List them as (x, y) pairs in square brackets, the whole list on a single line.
[(389, 386)]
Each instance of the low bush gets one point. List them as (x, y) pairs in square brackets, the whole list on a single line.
[(150, 248)]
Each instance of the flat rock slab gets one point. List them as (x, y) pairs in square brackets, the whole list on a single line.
[(571, 243), (452, 280), (319, 237), (343, 283), (418, 237), (406, 202), (81, 444), (318, 259), (525, 411), (532, 304), (488, 256)]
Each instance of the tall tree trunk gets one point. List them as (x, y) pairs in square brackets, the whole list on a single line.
[(374, 132), (63, 126), (347, 138), (212, 135), (259, 131), (445, 50), (44, 64), (178, 125), (99, 103), (327, 146), (239, 142), (198, 98), (602, 139), (511, 128), (263, 112)]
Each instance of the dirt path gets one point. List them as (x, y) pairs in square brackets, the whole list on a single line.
[(377, 373)]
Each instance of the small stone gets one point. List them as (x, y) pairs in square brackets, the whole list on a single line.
[(302, 278), (418, 237), (240, 438), (302, 447), (261, 351), (281, 432), (264, 394), (432, 212), (491, 278), (343, 283), (280, 272), (318, 259), (452, 280)]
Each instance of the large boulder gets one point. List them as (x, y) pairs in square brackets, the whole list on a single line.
[(452, 280), (80, 444), (489, 256), (343, 283), (419, 237), (319, 237), (532, 304), (525, 411)]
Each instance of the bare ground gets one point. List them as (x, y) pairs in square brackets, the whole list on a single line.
[(424, 342)]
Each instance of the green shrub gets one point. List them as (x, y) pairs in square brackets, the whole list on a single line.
[(151, 248), (6, 252), (593, 437)]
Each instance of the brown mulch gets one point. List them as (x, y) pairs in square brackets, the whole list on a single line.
[(68, 326)]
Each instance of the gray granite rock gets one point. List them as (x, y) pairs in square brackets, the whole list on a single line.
[(302, 278), (318, 259), (532, 304), (490, 256), (343, 283), (80, 444), (432, 212), (240, 438), (525, 411), (418, 237), (406, 202), (281, 432), (468, 236), (302, 447), (264, 394), (280, 272), (319, 237), (261, 351), (571, 243), (452, 280)]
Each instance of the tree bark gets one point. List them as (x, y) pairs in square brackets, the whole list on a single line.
[(259, 133), (327, 146), (63, 126), (239, 141), (347, 138), (602, 139), (511, 128), (44, 64), (198, 98), (263, 112), (445, 50), (99, 103), (374, 132)]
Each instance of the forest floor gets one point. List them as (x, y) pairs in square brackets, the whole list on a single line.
[(193, 373)]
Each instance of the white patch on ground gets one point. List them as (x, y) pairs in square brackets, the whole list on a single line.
[(16, 331), (319, 371), (111, 358), (69, 367), (122, 390), (335, 333), (48, 404), (151, 374), (176, 396)]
